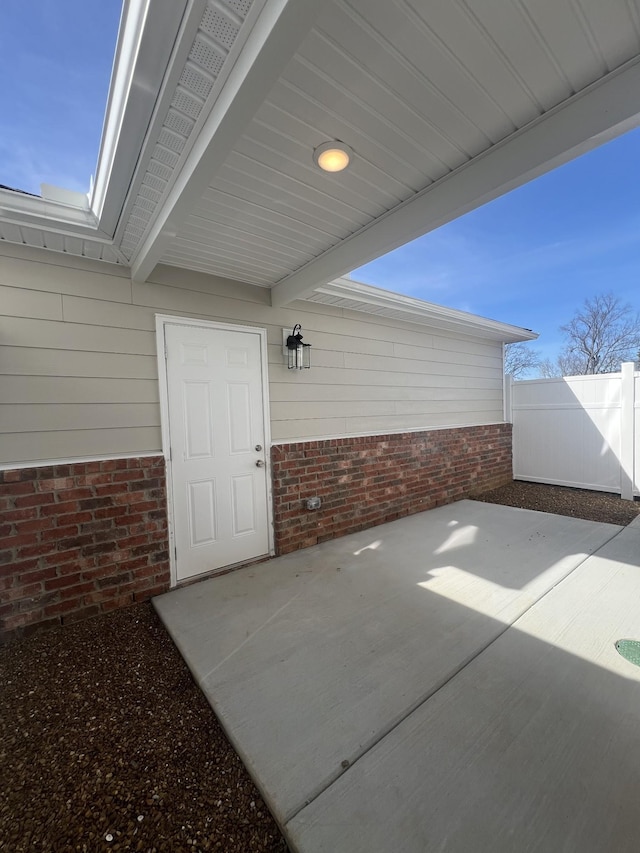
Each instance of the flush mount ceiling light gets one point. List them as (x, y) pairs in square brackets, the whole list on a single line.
[(332, 156)]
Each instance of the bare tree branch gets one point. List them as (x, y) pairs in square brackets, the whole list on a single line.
[(549, 369), (520, 359), (600, 336)]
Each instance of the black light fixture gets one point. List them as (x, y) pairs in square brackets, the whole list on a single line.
[(299, 354)]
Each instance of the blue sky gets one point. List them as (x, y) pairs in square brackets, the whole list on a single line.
[(532, 256), (528, 258), (55, 66)]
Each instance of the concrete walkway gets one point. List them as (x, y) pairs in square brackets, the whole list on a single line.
[(446, 682)]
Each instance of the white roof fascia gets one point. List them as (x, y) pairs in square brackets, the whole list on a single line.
[(180, 53), (274, 39), (146, 38), (600, 112), (51, 193), (420, 311), (22, 209)]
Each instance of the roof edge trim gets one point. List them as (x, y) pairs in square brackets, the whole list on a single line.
[(145, 42), (419, 310), (45, 213), (134, 13)]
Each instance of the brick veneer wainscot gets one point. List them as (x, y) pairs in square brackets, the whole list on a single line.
[(80, 539), (369, 480)]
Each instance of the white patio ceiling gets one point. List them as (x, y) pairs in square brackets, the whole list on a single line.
[(446, 104)]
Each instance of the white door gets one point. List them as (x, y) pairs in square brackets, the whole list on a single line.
[(217, 434)]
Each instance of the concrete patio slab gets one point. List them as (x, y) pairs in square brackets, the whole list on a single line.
[(312, 659), (533, 746)]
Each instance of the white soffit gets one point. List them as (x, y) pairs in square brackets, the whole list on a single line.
[(231, 83), (357, 296), (211, 38), (446, 106), (216, 107)]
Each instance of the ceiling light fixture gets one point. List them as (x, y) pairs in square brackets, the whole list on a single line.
[(332, 156)]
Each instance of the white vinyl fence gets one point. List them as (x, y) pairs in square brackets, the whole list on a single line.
[(581, 431)]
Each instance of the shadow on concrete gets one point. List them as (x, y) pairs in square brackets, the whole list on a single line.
[(380, 698)]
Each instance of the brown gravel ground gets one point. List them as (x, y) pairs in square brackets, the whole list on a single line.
[(107, 744), (579, 503), (104, 734)]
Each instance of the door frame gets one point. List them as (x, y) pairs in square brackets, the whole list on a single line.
[(162, 321)]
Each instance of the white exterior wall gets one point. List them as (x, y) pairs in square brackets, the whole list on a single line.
[(78, 373)]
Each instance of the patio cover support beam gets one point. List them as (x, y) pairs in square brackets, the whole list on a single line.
[(281, 27), (597, 114)]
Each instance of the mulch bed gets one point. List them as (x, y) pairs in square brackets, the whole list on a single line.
[(579, 503), (107, 744)]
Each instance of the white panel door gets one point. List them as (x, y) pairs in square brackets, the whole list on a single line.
[(216, 425)]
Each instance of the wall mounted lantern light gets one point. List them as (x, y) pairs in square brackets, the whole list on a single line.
[(332, 156), (298, 354)]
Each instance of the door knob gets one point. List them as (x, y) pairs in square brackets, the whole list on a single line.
[(259, 464)]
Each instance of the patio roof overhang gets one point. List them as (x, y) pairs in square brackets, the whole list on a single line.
[(216, 107)]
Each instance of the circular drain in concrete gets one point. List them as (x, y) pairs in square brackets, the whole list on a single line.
[(630, 650)]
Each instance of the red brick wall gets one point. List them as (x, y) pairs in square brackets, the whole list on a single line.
[(369, 480), (84, 538), (80, 539)]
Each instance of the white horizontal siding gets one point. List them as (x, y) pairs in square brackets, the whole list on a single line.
[(36, 304), (321, 357), (78, 373), (291, 431), (24, 447), (57, 273), (71, 389), (377, 408), (53, 417), (347, 376), (398, 423), (52, 334), (34, 360), (97, 312), (284, 393), (445, 367)]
